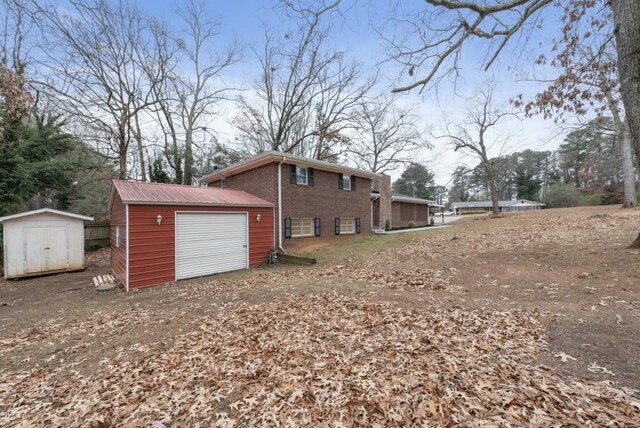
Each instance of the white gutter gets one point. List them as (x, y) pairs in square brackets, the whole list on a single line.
[(280, 205)]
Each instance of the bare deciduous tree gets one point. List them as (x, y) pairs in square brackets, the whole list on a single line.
[(200, 86), (384, 136), (474, 137), (341, 91), (101, 69), (430, 42), (306, 94)]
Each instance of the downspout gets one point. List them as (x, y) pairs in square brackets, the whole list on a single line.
[(280, 205)]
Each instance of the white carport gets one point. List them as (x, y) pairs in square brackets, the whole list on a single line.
[(42, 241)]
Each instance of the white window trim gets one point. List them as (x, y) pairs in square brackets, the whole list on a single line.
[(302, 227), (299, 176), (343, 226), (344, 183), (118, 236)]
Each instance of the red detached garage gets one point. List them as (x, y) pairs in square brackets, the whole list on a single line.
[(161, 233)]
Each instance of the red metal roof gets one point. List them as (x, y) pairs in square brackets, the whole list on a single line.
[(167, 194)]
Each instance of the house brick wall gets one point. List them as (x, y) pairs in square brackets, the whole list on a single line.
[(326, 201), (382, 184), (420, 215), (323, 200), (260, 182)]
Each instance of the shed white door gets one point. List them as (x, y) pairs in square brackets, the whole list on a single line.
[(208, 243), (46, 248)]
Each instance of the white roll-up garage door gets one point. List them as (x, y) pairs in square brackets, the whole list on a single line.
[(208, 243)]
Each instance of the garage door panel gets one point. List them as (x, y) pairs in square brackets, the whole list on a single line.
[(208, 243), (222, 244)]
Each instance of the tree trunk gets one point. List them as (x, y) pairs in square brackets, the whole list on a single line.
[(493, 191), (626, 18), (626, 149), (188, 159), (138, 135), (630, 196), (122, 162)]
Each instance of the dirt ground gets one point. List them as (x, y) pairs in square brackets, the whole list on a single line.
[(570, 268)]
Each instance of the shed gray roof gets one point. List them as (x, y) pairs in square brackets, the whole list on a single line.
[(488, 203)]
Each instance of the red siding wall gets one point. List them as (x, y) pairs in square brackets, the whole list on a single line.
[(152, 246), (119, 254)]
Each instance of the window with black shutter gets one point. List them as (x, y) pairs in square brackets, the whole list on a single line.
[(287, 228), (301, 176), (316, 226), (293, 175), (347, 182), (337, 226)]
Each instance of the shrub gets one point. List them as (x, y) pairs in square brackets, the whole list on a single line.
[(565, 195), (432, 221), (387, 224), (411, 225)]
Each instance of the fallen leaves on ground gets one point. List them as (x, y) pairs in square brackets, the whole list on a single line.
[(326, 360)]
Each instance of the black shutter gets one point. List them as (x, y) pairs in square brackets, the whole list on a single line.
[(310, 176), (337, 226), (316, 226), (292, 175), (340, 183), (287, 228), (357, 225), (353, 183)]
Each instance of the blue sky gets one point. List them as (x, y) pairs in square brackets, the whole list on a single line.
[(245, 21)]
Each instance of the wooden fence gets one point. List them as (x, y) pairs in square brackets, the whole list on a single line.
[(97, 234)]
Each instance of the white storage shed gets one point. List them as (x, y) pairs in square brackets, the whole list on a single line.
[(42, 241)]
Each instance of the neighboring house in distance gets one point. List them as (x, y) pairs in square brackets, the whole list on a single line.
[(407, 210), (313, 199), (479, 207)]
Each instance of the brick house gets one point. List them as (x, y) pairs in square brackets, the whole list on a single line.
[(407, 211), (316, 199), (313, 199)]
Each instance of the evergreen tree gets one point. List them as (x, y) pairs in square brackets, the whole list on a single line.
[(459, 191), (527, 187), (416, 181), (34, 172), (157, 173)]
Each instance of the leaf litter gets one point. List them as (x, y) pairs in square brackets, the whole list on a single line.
[(327, 360)]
